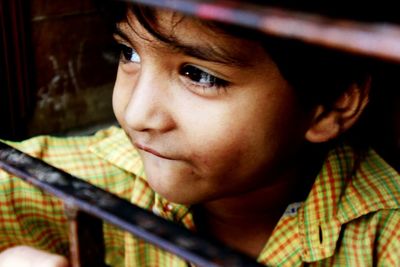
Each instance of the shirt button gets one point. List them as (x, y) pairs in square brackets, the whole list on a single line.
[(169, 207)]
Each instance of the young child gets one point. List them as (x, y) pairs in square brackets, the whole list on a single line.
[(241, 137)]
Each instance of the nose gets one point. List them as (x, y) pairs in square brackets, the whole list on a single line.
[(148, 109)]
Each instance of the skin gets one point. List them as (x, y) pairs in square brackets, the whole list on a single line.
[(231, 151), (24, 256)]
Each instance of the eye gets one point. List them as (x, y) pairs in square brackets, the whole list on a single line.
[(202, 78), (128, 54)]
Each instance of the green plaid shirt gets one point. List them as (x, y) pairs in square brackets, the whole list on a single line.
[(349, 218)]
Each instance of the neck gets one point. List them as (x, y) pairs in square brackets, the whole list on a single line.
[(245, 222)]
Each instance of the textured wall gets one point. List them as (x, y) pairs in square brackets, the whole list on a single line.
[(74, 66)]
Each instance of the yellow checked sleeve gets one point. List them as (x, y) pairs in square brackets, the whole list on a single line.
[(31, 217)]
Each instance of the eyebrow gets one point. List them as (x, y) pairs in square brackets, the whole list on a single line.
[(121, 33), (202, 52)]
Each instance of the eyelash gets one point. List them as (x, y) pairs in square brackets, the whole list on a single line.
[(197, 77)]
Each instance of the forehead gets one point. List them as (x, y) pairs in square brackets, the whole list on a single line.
[(170, 24), (169, 29)]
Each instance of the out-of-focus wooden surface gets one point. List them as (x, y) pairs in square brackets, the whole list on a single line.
[(57, 67)]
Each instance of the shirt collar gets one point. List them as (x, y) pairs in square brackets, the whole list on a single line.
[(116, 148), (344, 190)]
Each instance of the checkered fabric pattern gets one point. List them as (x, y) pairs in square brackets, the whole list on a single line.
[(350, 218)]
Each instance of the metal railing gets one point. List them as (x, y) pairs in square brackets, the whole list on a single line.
[(375, 39)]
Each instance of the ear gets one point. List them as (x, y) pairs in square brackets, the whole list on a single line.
[(328, 124)]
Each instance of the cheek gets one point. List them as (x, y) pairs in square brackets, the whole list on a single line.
[(115, 104), (216, 151), (219, 144), (241, 139), (123, 88)]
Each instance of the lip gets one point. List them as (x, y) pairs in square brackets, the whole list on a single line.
[(151, 151)]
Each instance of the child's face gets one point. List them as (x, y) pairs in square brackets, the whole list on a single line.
[(211, 116)]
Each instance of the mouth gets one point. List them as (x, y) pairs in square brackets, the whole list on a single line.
[(151, 151)]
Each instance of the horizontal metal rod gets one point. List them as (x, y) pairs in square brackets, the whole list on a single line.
[(379, 40), (119, 212)]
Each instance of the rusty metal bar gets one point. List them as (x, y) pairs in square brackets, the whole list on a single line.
[(380, 40), (86, 239), (119, 212)]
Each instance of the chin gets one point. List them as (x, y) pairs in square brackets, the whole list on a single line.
[(174, 183), (175, 192)]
